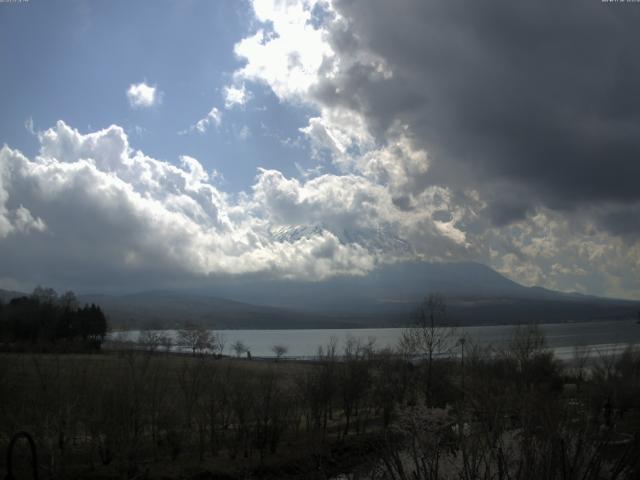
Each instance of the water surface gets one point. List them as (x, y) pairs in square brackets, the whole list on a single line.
[(599, 337)]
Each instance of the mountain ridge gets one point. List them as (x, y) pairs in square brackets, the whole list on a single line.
[(475, 295)]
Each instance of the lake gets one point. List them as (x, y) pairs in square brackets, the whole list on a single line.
[(563, 338)]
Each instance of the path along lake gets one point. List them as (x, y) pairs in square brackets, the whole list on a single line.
[(604, 337)]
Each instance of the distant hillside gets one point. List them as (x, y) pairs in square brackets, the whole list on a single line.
[(475, 295), (399, 287), (170, 309)]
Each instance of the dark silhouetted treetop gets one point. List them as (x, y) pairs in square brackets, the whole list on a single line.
[(46, 317)]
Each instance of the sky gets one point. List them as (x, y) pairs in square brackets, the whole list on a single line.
[(169, 143)]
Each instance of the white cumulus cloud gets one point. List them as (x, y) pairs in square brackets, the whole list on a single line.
[(142, 95), (91, 210), (88, 206), (235, 95)]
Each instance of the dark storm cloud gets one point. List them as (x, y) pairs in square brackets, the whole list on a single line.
[(623, 221), (533, 102)]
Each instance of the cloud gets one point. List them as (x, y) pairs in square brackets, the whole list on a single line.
[(506, 99), (287, 55), (470, 112), (91, 211), (498, 109), (28, 125), (244, 133), (141, 95), (88, 208), (214, 117), (235, 96)]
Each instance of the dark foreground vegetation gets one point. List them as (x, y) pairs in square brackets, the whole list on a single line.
[(44, 321), (354, 413)]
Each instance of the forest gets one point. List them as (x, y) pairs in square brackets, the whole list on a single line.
[(45, 321)]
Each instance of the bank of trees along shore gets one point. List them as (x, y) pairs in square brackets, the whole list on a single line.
[(46, 320)]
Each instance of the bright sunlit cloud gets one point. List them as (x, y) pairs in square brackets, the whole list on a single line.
[(235, 96), (141, 95)]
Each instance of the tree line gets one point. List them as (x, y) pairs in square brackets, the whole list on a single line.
[(47, 319)]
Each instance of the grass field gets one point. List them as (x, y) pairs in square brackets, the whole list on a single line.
[(365, 414), (123, 414)]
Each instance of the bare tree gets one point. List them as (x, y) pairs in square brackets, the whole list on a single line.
[(430, 335), (69, 301), (354, 381), (166, 341), (198, 339), (238, 347), (149, 340), (219, 342), (279, 351), (527, 342), (45, 295)]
